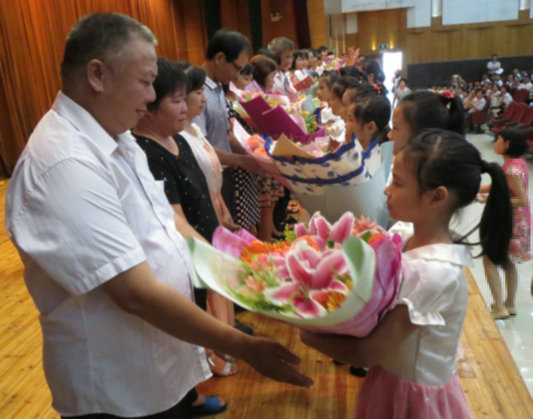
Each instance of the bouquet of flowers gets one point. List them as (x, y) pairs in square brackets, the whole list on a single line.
[(339, 278), (347, 179), (279, 120)]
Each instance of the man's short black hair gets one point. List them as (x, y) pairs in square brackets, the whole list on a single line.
[(99, 36), (231, 43)]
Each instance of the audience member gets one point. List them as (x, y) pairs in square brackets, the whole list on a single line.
[(494, 66), (401, 91)]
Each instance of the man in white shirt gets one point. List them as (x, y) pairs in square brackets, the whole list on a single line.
[(525, 84), (103, 260), (494, 66)]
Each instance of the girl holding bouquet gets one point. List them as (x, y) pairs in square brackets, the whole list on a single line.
[(369, 116), (299, 63), (411, 352), (424, 109)]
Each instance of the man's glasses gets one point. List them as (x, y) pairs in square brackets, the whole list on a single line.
[(239, 68)]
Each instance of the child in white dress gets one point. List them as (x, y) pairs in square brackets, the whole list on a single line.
[(412, 351)]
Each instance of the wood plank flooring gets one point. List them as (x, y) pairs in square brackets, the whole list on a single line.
[(489, 376)]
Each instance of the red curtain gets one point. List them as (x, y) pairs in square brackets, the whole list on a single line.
[(32, 36)]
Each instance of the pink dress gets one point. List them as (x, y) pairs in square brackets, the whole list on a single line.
[(519, 249), (419, 380)]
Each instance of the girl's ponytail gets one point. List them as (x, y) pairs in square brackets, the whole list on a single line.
[(495, 228), (456, 123), (445, 158), (424, 109)]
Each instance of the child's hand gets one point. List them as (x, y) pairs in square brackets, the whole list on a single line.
[(481, 197)]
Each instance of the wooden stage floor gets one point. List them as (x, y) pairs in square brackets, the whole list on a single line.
[(489, 376)]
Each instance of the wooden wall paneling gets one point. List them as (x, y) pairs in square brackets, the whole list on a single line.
[(317, 22), (337, 33), (440, 38), (515, 39), (438, 42), (479, 42), (381, 27), (352, 40)]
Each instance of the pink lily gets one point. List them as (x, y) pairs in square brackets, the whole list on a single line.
[(313, 268), (296, 294), (231, 243), (310, 270), (321, 228), (384, 293)]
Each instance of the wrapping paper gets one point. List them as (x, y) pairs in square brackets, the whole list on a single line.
[(275, 121), (312, 281), (334, 184), (267, 165), (214, 269)]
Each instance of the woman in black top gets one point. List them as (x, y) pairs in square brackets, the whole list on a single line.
[(183, 180), (172, 162), (170, 157)]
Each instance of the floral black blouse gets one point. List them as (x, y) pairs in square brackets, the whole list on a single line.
[(184, 182)]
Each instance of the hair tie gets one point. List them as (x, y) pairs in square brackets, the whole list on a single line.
[(448, 94), (485, 166)]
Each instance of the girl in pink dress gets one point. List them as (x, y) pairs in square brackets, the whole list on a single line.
[(412, 351), (511, 144)]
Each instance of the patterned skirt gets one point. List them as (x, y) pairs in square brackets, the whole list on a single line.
[(246, 198)]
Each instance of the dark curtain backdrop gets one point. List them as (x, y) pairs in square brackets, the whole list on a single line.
[(302, 23), (211, 16), (256, 26)]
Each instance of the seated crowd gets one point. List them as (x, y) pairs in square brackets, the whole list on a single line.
[(491, 94)]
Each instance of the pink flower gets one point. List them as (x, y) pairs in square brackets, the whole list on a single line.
[(297, 295), (314, 269), (364, 224), (310, 270), (231, 243), (384, 293), (320, 228), (307, 307)]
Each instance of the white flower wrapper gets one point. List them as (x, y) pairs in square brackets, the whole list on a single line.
[(215, 269)]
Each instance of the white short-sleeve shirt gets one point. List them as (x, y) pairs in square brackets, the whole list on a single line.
[(82, 208), (435, 291)]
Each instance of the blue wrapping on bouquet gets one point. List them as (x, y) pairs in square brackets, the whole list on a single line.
[(338, 182)]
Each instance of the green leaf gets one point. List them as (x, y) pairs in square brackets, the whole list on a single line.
[(366, 236)]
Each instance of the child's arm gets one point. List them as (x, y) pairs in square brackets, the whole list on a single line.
[(367, 351), (483, 193), (518, 193)]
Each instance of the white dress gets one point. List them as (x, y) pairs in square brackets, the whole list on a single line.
[(419, 378), (207, 160)]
